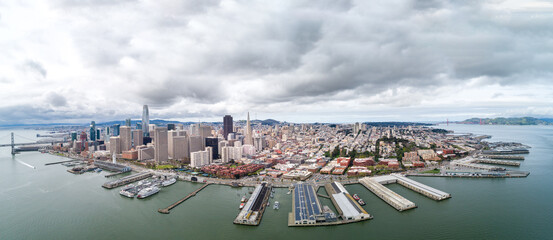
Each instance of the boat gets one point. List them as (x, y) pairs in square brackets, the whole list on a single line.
[(272, 195), (361, 202), (128, 191), (241, 206), (168, 182), (356, 197), (276, 205), (244, 199), (98, 170), (146, 192)]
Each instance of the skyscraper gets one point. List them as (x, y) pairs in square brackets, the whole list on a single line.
[(126, 138), (249, 137), (128, 122), (137, 137), (214, 144), (227, 126), (92, 131), (160, 144), (145, 121)]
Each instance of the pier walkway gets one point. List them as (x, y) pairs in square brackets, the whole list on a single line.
[(395, 200), (421, 188), (498, 162), (192, 194), (52, 163), (506, 157)]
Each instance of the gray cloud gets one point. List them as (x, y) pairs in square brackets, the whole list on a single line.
[(36, 67), (215, 57)]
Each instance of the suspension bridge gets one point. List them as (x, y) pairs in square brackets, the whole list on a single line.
[(13, 145)]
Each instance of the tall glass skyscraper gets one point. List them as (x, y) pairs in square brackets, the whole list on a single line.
[(227, 125), (145, 121)]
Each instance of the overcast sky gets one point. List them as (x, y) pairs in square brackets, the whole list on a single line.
[(293, 60)]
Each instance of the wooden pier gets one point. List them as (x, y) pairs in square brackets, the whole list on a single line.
[(113, 174), (192, 194)]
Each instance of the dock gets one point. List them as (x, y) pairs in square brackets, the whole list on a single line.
[(192, 194), (505, 157), (114, 174), (421, 188), (253, 211), (498, 162), (393, 199), (52, 163), (127, 179)]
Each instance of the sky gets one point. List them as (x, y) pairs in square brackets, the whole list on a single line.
[(73, 61)]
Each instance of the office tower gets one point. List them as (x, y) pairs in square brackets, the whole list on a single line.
[(221, 144), (170, 126), (115, 130), (160, 145), (196, 143), (73, 136), (178, 145), (126, 138), (259, 143), (205, 131), (214, 144), (227, 126), (145, 121), (195, 129), (98, 134), (249, 138), (139, 126), (92, 131), (115, 145), (137, 137), (128, 122)]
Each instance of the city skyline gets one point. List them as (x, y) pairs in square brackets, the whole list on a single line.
[(329, 61)]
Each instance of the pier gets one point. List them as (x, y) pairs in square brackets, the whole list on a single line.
[(506, 157), (127, 179), (395, 200), (253, 211), (498, 162), (421, 188), (113, 174), (52, 163), (192, 194)]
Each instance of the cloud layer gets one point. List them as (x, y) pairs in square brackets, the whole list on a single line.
[(337, 61)]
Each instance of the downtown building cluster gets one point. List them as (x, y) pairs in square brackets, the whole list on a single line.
[(291, 151)]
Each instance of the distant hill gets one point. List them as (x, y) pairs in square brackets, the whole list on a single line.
[(508, 121), (396, 124)]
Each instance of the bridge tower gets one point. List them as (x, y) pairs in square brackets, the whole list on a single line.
[(13, 145)]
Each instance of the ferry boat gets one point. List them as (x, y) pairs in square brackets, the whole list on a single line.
[(361, 202), (149, 191), (356, 197), (168, 182), (242, 206), (244, 199), (276, 205), (128, 191)]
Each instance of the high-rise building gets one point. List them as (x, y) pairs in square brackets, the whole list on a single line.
[(137, 137), (92, 131), (227, 125), (178, 145), (199, 158), (195, 129), (126, 138), (249, 137), (196, 143), (145, 121), (115, 129), (170, 126), (214, 144), (160, 145), (115, 145), (128, 122)]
